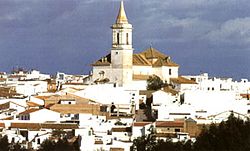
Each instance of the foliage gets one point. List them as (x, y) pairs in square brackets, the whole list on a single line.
[(5, 145), (231, 135), (154, 83), (61, 144)]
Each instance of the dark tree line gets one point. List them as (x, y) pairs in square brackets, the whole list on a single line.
[(61, 144), (230, 135), (47, 145)]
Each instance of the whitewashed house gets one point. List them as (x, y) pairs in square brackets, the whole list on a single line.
[(39, 115)]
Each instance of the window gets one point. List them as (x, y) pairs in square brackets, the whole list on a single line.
[(170, 71), (213, 88), (38, 141), (118, 39), (177, 130), (116, 53), (127, 38), (69, 102)]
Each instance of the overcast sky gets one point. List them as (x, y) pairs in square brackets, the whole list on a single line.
[(68, 35)]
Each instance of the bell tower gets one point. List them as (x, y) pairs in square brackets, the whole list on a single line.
[(122, 50)]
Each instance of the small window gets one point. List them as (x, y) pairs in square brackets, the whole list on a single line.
[(69, 102), (177, 130), (116, 53), (118, 38), (208, 89), (170, 71), (213, 88), (38, 141), (127, 38)]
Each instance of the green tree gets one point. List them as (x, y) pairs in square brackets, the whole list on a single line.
[(4, 144), (154, 83), (47, 145), (230, 135)]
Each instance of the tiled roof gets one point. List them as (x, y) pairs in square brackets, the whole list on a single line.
[(170, 90), (165, 62), (140, 60), (122, 129), (141, 123), (182, 80), (29, 111), (104, 61), (33, 104), (56, 98), (98, 142), (169, 124), (151, 53), (42, 97), (7, 118), (2, 125), (5, 105), (76, 108), (7, 92), (37, 126), (2, 79)]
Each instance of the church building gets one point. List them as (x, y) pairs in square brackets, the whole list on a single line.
[(122, 67)]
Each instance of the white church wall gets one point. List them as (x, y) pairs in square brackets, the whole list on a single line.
[(142, 70)]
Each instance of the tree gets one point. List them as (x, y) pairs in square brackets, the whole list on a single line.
[(230, 135), (5, 145), (154, 83), (47, 145)]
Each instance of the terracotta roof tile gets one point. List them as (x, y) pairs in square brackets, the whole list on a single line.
[(151, 53), (37, 126), (170, 90), (29, 111), (33, 104), (140, 60), (76, 108), (165, 62), (141, 123), (169, 124), (182, 80), (104, 61), (122, 129), (2, 125)]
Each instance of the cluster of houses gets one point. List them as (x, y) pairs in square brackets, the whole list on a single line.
[(110, 107), (109, 117)]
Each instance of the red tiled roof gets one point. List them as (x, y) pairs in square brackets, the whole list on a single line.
[(140, 60), (104, 61), (122, 129), (182, 80), (33, 104), (169, 124), (29, 111), (38, 126), (2, 125), (141, 123)]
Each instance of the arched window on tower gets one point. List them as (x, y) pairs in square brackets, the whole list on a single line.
[(127, 38), (118, 38)]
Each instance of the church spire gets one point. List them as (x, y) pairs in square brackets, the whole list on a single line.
[(121, 17)]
